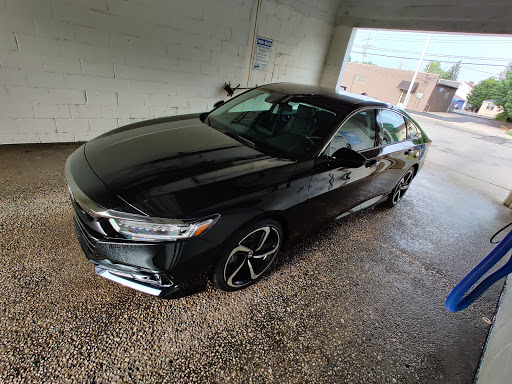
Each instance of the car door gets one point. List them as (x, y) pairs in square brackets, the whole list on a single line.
[(396, 153), (335, 190)]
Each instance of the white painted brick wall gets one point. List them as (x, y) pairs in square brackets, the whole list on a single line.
[(62, 65), (71, 70)]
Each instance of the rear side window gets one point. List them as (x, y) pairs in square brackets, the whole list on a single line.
[(392, 127), (413, 132), (358, 132)]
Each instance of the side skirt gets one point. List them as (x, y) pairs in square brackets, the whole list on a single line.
[(368, 203)]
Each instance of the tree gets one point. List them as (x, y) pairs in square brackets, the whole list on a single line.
[(451, 74), (503, 92), (484, 90), (435, 67), (364, 62)]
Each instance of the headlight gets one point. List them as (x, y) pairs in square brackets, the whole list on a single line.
[(153, 231)]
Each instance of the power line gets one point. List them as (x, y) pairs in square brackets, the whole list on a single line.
[(478, 70), (438, 54), (441, 61), (377, 69)]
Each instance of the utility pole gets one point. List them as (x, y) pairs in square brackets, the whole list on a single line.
[(365, 47), (416, 73), (429, 63)]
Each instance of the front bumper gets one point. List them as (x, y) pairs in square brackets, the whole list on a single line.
[(134, 279), (156, 268)]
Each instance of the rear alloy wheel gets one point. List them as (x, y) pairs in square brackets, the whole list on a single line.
[(248, 256), (400, 189)]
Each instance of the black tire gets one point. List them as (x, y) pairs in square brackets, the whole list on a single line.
[(400, 189), (245, 257)]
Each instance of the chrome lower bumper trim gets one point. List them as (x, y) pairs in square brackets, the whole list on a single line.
[(105, 273)]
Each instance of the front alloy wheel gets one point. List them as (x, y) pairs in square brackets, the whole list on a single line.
[(401, 188), (248, 256)]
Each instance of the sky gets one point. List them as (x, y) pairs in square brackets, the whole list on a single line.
[(482, 56)]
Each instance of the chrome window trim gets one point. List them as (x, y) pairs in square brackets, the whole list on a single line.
[(377, 126), (409, 119), (354, 112), (399, 112)]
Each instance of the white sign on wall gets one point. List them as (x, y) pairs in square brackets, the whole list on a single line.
[(262, 54)]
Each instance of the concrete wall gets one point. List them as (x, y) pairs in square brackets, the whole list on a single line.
[(495, 365), (73, 69), (508, 200), (381, 83), (471, 16), (336, 61)]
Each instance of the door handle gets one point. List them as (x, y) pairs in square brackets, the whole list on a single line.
[(370, 163)]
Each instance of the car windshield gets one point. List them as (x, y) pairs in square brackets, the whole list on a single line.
[(279, 124)]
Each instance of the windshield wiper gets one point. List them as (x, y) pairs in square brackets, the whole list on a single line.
[(239, 117), (238, 137)]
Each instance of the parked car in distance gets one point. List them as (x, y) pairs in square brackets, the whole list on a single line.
[(158, 202)]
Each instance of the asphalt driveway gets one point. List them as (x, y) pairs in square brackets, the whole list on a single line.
[(359, 301)]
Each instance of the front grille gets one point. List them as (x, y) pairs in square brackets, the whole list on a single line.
[(89, 240), (83, 223)]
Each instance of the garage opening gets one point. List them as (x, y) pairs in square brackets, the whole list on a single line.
[(382, 63)]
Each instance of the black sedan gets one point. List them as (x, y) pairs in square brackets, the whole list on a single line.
[(159, 202)]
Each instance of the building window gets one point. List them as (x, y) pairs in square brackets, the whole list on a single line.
[(441, 90), (490, 107)]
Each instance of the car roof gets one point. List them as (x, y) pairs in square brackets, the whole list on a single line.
[(349, 99)]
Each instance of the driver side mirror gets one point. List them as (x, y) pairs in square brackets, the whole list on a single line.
[(218, 104), (204, 115), (346, 157)]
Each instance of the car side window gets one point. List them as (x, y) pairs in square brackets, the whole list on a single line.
[(357, 133), (392, 127), (413, 133)]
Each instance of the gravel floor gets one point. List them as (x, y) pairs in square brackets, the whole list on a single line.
[(360, 301)]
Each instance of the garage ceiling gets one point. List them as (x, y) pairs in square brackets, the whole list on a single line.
[(471, 16)]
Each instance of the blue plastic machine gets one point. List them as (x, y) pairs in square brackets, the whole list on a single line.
[(458, 299)]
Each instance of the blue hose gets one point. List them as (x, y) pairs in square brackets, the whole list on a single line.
[(458, 300)]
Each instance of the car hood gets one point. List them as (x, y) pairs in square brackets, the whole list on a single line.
[(157, 165)]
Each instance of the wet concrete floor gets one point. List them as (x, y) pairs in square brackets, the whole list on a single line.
[(360, 301)]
